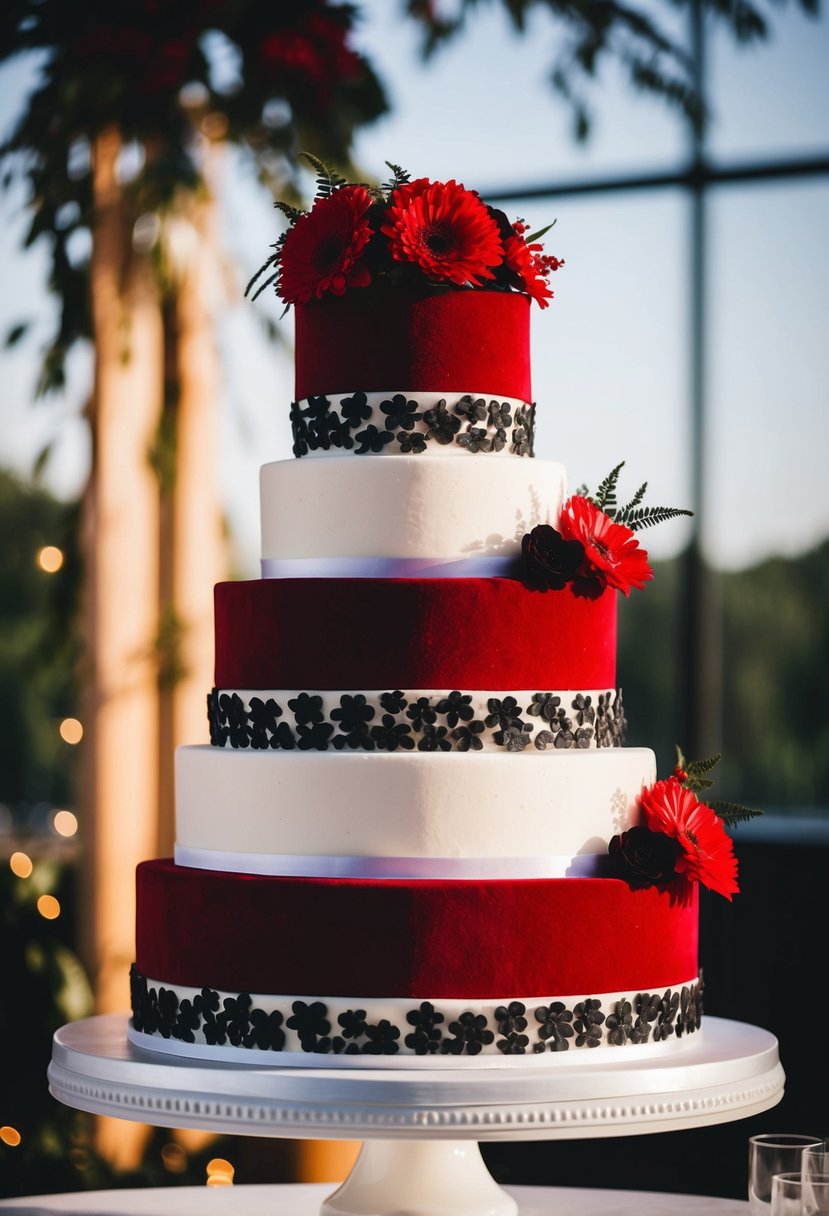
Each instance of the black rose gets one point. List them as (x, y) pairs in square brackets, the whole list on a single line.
[(644, 858), (550, 561)]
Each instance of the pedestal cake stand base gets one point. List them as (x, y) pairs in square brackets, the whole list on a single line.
[(420, 1157)]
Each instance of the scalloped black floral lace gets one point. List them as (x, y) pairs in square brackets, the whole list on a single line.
[(401, 721), (473, 424), (514, 1028)]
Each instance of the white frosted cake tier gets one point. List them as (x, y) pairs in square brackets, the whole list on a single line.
[(424, 508), (385, 813)]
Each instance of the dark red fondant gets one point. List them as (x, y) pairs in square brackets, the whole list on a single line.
[(421, 939), (373, 340), (469, 633)]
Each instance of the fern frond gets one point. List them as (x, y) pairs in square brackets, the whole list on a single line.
[(605, 498), (698, 768), (646, 517), (399, 178), (292, 213), (697, 784), (732, 812), (624, 512), (270, 262), (327, 180), (262, 286)]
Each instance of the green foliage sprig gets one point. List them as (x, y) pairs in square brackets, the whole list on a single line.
[(328, 180), (119, 66), (693, 775), (632, 515), (399, 178)]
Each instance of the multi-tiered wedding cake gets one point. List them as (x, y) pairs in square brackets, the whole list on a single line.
[(415, 836)]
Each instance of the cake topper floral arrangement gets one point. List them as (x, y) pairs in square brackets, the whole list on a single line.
[(681, 840), (403, 232), (594, 545)]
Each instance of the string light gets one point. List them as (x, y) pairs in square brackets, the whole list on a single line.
[(71, 730), (219, 1172), (50, 559), (48, 907), (20, 865), (65, 823), (10, 1136)]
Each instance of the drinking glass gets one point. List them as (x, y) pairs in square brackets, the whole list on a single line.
[(768, 1155), (815, 1159), (787, 1195), (815, 1194), (800, 1195)]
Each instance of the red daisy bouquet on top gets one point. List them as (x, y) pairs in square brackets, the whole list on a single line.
[(404, 232), (594, 545), (681, 840)]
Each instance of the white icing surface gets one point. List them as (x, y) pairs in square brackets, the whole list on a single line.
[(394, 1010), (428, 506), (441, 805)]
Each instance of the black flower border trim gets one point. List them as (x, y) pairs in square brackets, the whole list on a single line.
[(513, 1028), (472, 424), (407, 721)]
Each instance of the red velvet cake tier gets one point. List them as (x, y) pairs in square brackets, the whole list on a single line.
[(411, 633), (395, 938), (445, 340)]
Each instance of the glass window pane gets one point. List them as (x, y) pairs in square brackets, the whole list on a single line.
[(768, 383), (771, 100), (483, 112)]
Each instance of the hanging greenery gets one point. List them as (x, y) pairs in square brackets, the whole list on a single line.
[(267, 77)]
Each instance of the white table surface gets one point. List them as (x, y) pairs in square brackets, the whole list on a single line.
[(305, 1200)]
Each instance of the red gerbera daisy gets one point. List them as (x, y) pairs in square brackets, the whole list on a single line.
[(530, 265), (322, 251), (610, 549), (707, 849), (443, 228)]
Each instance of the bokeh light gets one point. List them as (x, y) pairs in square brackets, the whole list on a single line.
[(174, 1158), (71, 730), (219, 1172), (48, 907), (65, 823), (10, 1136), (20, 864), (50, 559)]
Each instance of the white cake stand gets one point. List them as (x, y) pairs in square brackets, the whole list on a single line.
[(421, 1129)]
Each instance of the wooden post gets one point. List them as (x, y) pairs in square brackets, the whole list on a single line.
[(119, 797)]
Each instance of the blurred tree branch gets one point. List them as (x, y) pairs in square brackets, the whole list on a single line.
[(589, 34)]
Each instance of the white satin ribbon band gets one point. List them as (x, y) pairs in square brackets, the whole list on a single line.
[(389, 567), (305, 865)]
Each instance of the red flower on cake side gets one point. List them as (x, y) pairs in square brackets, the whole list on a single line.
[(611, 550), (529, 265), (594, 546), (681, 840), (707, 850), (322, 251), (445, 230)]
